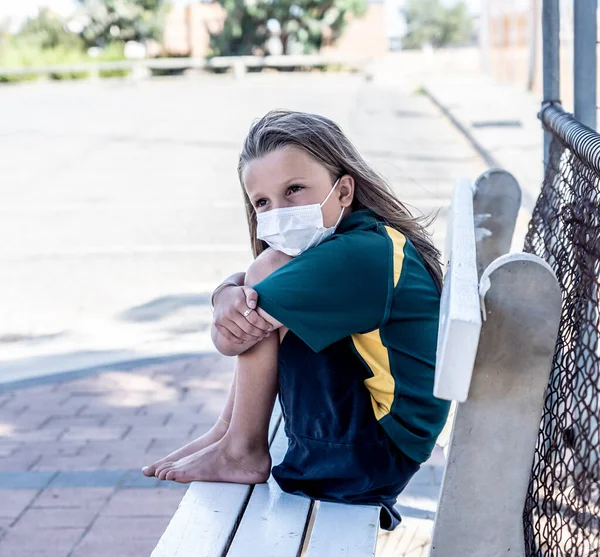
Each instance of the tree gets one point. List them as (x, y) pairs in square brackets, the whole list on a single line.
[(303, 24), (47, 30), (431, 22), (105, 21)]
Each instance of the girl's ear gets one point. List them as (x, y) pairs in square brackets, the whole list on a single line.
[(346, 189)]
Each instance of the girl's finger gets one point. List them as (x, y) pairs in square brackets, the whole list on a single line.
[(228, 334), (243, 323), (237, 331), (258, 321), (251, 297)]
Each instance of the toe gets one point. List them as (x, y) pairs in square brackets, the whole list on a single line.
[(149, 470), (161, 468), (162, 474), (178, 476)]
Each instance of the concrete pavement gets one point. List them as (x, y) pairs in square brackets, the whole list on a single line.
[(502, 122)]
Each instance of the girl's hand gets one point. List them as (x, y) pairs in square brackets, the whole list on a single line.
[(230, 305)]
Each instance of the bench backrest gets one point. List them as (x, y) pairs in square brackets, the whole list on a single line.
[(495, 428), (480, 229)]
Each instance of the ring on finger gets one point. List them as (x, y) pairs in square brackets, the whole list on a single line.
[(247, 312)]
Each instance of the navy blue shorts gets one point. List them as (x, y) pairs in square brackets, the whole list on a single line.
[(336, 449)]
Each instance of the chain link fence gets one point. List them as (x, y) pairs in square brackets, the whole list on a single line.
[(562, 510)]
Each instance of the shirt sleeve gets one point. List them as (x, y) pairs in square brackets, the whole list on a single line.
[(332, 291)]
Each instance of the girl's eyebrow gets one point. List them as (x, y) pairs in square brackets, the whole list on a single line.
[(286, 183), (292, 180)]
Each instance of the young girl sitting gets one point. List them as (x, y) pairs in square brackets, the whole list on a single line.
[(338, 313)]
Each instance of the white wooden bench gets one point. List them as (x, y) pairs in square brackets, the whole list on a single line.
[(501, 365)]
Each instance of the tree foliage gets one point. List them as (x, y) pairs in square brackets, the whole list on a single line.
[(431, 22), (304, 24), (105, 21), (46, 31)]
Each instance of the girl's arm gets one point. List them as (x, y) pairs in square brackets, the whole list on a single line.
[(235, 347), (233, 332)]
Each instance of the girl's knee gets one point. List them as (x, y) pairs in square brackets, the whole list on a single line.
[(266, 263)]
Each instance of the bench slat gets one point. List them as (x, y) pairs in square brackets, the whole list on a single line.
[(274, 522), (207, 516), (344, 530), (203, 523)]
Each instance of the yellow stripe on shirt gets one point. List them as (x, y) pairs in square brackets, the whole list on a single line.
[(371, 348), (381, 385), (399, 241)]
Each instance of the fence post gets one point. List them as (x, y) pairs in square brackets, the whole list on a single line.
[(585, 60), (489, 462), (239, 69), (585, 97), (551, 59)]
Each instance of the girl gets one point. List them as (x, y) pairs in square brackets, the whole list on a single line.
[(338, 312)]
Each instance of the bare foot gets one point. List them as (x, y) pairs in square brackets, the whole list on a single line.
[(215, 434), (218, 463)]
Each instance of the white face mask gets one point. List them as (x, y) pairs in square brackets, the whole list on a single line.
[(293, 230)]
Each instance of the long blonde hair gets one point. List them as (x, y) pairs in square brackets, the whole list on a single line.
[(324, 140)]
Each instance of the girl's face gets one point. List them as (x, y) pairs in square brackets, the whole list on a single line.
[(289, 177)]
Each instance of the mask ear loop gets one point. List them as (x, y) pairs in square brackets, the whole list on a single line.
[(331, 191), (328, 196), (339, 219)]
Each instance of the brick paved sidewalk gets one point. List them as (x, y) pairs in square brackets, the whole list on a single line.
[(71, 453)]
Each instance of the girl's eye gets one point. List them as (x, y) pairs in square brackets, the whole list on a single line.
[(295, 188), (261, 203)]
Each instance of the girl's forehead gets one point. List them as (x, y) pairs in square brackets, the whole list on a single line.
[(280, 166)]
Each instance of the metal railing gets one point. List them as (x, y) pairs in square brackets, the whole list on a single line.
[(237, 63), (581, 140)]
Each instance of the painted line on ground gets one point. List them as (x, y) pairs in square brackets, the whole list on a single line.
[(69, 375), (126, 479)]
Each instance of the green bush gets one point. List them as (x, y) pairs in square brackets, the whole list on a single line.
[(12, 57), (61, 55), (19, 54), (112, 53), (161, 72)]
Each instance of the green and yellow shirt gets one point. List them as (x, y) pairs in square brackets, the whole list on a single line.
[(369, 285)]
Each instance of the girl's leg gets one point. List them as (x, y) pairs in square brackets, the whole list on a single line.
[(212, 436), (242, 455)]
